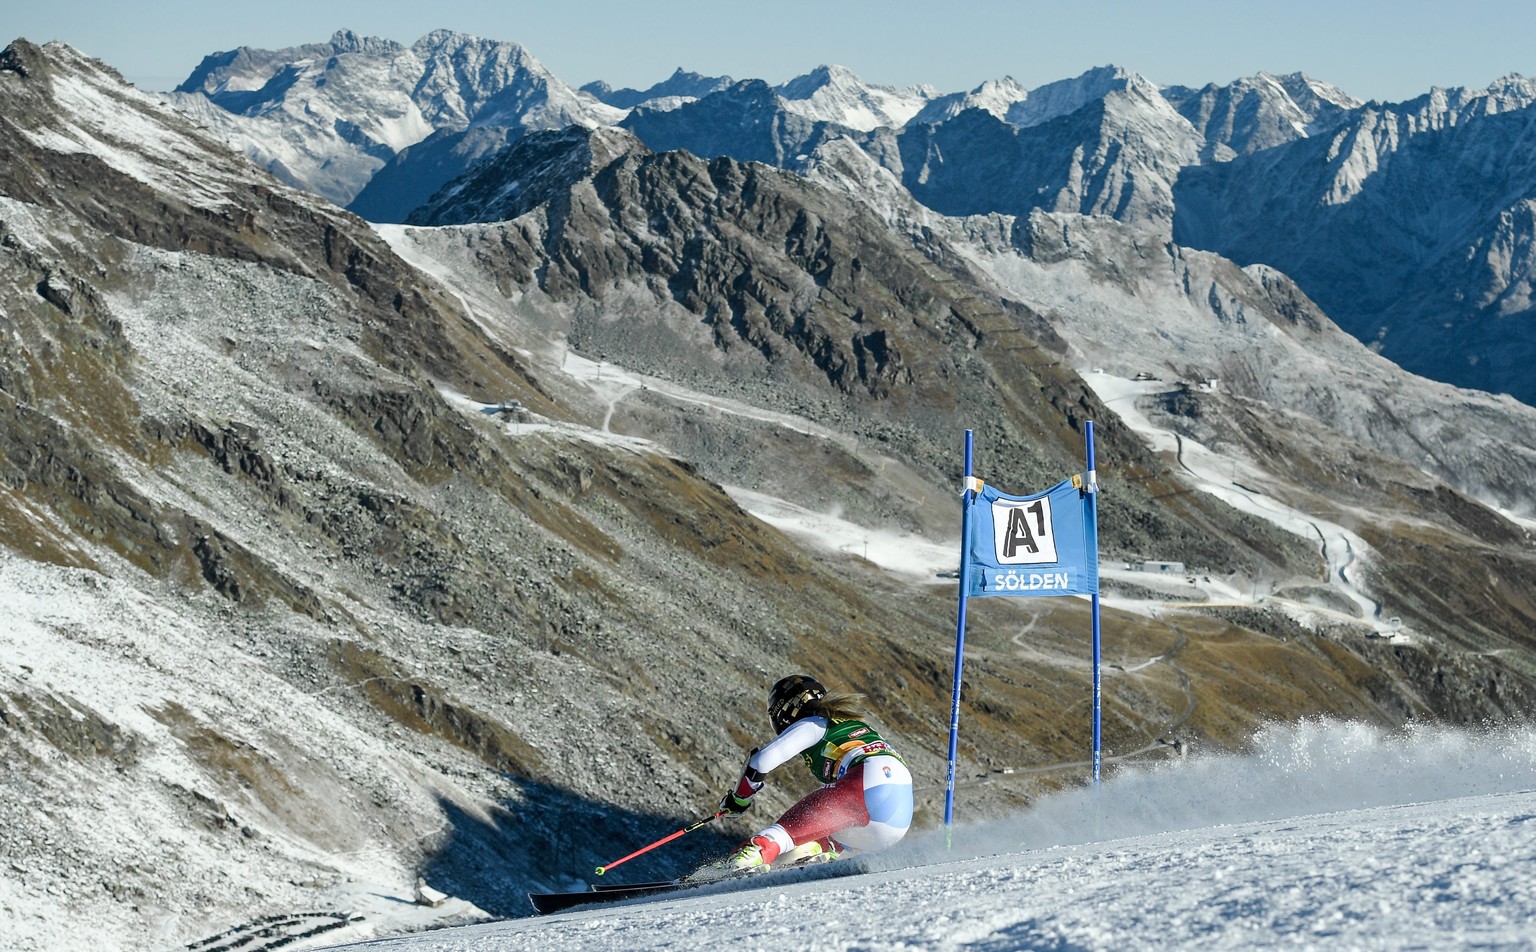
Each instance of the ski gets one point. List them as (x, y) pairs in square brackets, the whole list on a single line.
[(610, 887), (545, 903)]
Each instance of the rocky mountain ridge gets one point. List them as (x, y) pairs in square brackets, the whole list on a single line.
[(327, 116), (1409, 224), (1268, 164), (681, 85), (1252, 330), (1253, 114)]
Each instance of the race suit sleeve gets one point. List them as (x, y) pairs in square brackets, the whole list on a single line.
[(798, 737)]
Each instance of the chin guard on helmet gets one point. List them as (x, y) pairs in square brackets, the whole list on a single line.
[(790, 697)]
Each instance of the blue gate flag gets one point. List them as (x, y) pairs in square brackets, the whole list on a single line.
[(1045, 544)]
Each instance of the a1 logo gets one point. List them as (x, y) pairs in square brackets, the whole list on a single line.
[(1022, 532)]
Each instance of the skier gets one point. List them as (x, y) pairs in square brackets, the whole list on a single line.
[(866, 803)]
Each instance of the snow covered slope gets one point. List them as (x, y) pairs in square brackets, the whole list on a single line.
[(996, 96), (1323, 836), (836, 94)]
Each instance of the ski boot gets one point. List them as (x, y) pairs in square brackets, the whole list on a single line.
[(812, 851), (748, 858)]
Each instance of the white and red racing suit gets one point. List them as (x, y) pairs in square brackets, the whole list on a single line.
[(866, 803)]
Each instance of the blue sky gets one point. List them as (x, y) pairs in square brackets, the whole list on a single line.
[(1373, 50)]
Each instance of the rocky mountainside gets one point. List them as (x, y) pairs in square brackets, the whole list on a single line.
[(747, 282), (749, 122), (1253, 114), (337, 556), (598, 218), (1105, 144), (414, 174), (1411, 224), (328, 116)]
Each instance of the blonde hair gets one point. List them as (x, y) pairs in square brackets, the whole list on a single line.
[(837, 706)]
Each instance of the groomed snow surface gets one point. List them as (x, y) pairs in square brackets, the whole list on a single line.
[(1323, 836)]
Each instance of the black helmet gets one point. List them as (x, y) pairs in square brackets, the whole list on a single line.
[(788, 699)]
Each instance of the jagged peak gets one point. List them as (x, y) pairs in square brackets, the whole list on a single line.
[(1513, 79), (681, 86), (1098, 79), (807, 85), (1513, 88), (1301, 87), (1507, 93), (1067, 96), (1285, 80), (1006, 84), (439, 38), (346, 41), (24, 58), (257, 65), (744, 96), (592, 149), (750, 89), (527, 173), (612, 142), (1296, 86), (30, 61), (1094, 83), (451, 41), (837, 94), (996, 96), (841, 77)]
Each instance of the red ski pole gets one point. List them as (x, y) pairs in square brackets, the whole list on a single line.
[(665, 839)]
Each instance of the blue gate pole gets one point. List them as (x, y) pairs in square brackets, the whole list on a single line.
[(1091, 484), (965, 587)]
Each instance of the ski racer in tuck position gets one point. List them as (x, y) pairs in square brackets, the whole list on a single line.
[(866, 803)]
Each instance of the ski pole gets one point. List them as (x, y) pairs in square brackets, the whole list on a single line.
[(664, 840)]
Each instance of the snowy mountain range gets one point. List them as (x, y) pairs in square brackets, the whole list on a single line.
[(339, 559), (1409, 223), (326, 116), (1286, 171)]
